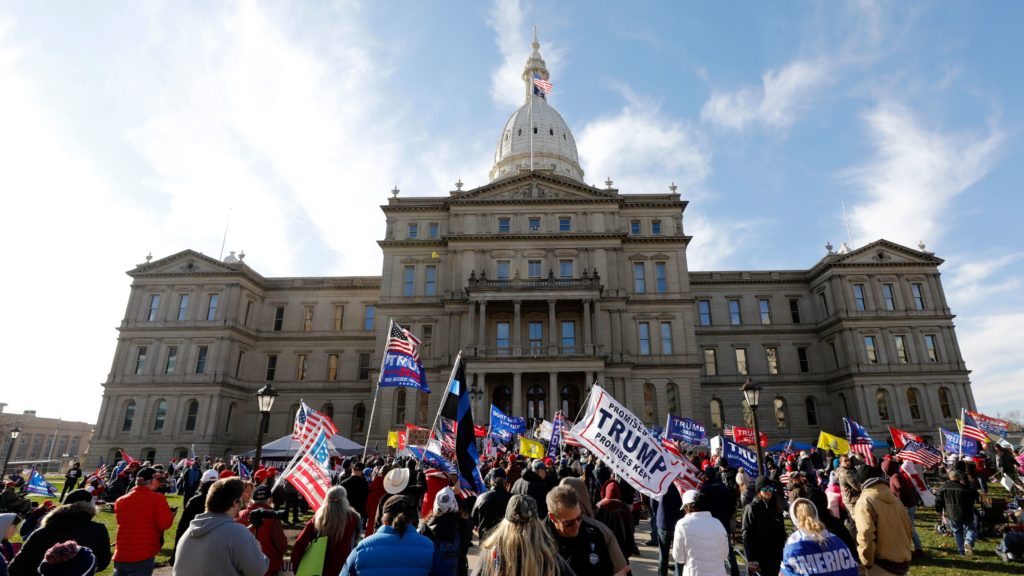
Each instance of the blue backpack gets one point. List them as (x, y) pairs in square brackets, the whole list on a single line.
[(448, 555)]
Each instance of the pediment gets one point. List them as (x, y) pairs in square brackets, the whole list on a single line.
[(184, 262), (535, 187), (886, 252)]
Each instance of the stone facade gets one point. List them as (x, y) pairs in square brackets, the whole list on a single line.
[(47, 443)]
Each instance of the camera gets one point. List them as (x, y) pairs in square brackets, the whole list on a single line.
[(257, 516)]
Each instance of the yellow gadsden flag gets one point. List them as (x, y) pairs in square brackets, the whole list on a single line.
[(834, 443), (531, 448), (393, 439)]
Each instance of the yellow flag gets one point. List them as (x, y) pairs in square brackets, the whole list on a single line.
[(434, 255), (393, 439), (836, 444), (531, 448)]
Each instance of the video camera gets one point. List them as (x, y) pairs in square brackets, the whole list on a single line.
[(257, 516)]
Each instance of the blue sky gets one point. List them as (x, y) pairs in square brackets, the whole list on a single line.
[(130, 128)]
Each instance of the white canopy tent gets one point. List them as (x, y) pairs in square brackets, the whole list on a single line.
[(284, 448)]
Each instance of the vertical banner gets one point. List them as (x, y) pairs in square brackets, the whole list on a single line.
[(555, 444)]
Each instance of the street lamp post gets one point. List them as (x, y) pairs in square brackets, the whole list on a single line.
[(752, 392), (15, 432), (265, 400)]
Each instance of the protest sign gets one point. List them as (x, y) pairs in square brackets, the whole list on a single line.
[(745, 436), (684, 430), (504, 426), (953, 441), (543, 430), (416, 436), (739, 457)]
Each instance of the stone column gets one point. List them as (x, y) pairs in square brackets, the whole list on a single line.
[(483, 327), (471, 333), (554, 398), (599, 341), (588, 341), (617, 334), (517, 331), (517, 394), (481, 382), (552, 329)]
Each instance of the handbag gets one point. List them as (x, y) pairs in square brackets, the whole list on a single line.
[(312, 563)]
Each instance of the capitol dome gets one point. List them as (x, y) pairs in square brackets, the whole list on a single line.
[(535, 136)]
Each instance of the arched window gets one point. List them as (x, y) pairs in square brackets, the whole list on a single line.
[(748, 414), (717, 414), (780, 412), (570, 401), (191, 413), (400, 406), (846, 407), (811, 406), (129, 416), (328, 409), (423, 408), (227, 421), (535, 403), (944, 403), (913, 404), (673, 398), (149, 455), (181, 453), (115, 455), (160, 416), (650, 411), (882, 399), (358, 419), (502, 398)]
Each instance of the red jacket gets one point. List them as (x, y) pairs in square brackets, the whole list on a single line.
[(372, 501), (270, 535), (142, 517), (337, 551)]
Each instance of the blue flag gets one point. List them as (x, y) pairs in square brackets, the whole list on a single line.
[(456, 407), (243, 470), (39, 486), (684, 430), (503, 427), (432, 458), (555, 445), (739, 457), (402, 365), (953, 440)]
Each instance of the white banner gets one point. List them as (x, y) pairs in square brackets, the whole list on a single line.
[(623, 443), (544, 431)]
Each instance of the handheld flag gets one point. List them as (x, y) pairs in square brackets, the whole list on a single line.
[(990, 425), (901, 437), (38, 485), (685, 430), (504, 427), (402, 365), (128, 459), (555, 444), (970, 429), (392, 439), (836, 444), (745, 436), (456, 407), (308, 420), (312, 475), (921, 453), (531, 448), (957, 443), (860, 442), (740, 457), (243, 471)]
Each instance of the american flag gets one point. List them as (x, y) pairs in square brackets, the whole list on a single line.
[(447, 437), (308, 420), (541, 83), (672, 447), (923, 454), (312, 475), (971, 428), (402, 341), (860, 442), (689, 478)]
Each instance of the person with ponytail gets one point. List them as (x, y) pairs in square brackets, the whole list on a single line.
[(335, 521), (396, 549), (812, 549), (521, 545)]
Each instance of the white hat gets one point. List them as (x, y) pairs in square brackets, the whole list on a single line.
[(689, 497), (445, 501), (396, 481), (209, 476)]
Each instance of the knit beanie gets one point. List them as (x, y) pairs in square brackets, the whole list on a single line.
[(68, 559)]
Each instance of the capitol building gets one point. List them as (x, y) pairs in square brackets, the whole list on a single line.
[(546, 285)]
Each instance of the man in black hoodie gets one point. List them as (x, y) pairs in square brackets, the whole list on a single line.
[(720, 500), (764, 533), (489, 509), (956, 500), (531, 484), (72, 521)]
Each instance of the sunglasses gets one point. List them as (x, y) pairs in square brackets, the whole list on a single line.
[(570, 523)]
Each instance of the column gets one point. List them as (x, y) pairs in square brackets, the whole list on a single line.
[(471, 333), (517, 331), (517, 394), (600, 342), (484, 401), (588, 341), (554, 398), (617, 334), (552, 329), (483, 328)]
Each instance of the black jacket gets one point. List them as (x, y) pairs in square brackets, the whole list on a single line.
[(195, 506), (587, 553), (531, 484), (764, 534), (957, 501), (358, 491), (443, 528), (489, 510), (70, 522), (721, 502)]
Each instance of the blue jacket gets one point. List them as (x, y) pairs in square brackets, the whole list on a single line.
[(669, 511), (803, 556), (388, 554)]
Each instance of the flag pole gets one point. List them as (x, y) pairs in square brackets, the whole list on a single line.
[(961, 430), (304, 447), (376, 391), (440, 406), (531, 123)]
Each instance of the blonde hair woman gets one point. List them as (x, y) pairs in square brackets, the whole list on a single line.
[(521, 545), (338, 523), (812, 549)]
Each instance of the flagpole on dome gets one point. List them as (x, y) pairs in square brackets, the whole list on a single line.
[(376, 390)]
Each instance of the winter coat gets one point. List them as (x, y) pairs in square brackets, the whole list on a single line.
[(832, 523), (142, 516), (12, 501), (804, 556), (593, 538), (701, 545), (337, 550), (443, 528), (848, 486), (216, 545), (387, 553), (435, 481), (270, 535), (764, 534), (668, 510), (721, 502), (883, 527), (903, 488), (956, 501), (357, 490), (618, 517), (489, 510), (70, 522), (373, 498), (531, 484)]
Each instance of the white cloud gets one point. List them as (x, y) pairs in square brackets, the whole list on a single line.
[(506, 18), (783, 94), (914, 175), (974, 281), (991, 347)]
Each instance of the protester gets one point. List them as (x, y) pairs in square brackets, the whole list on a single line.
[(531, 483), (582, 494), (582, 542), (71, 522), (215, 544), (489, 508), (12, 501), (903, 488), (195, 506), (68, 559), (338, 525), (764, 533), (451, 534), (617, 516), (377, 493), (142, 517), (520, 545), (720, 501), (71, 478), (955, 501), (849, 488), (884, 540), (8, 528), (34, 517), (357, 490), (268, 531), (812, 549), (189, 481), (832, 523), (394, 548), (700, 546), (669, 512)]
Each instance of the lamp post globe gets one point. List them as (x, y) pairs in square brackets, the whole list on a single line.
[(752, 394), (15, 432), (265, 402)]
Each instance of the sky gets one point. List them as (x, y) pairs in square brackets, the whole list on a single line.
[(135, 128)]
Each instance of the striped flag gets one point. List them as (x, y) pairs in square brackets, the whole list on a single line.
[(447, 434), (308, 420), (402, 341), (689, 478), (543, 85), (401, 365), (923, 454), (990, 425), (970, 428), (312, 475), (901, 437), (860, 442)]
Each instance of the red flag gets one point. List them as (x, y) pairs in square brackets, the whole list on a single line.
[(128, 459), (311, 476), (901, 437), (401, 440), (745, 436), (480, 431)]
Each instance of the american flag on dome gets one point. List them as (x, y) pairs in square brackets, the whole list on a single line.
[(923, 454), (860, 442), (312, 475), (402, 365), (541, 84), (971, 429), (308, 420)]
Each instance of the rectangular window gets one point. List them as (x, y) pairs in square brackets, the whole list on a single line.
[(666, 338), (660, 278), (364, 366), (533, 268), (918, 293), (656, 227), (408, 281), (704, 311), (182, 307), (835, 354), (502, 339), (710, 362), (536, 336), (154, 307), (764, 306), (901, 348), (931, 347), (271, 367), (504, 225), (805, 363), (534, 224), (369, 315), (339, 317), (140, 359), (307, 318), (639, 282), (565, 269), (73, 450), (428, 332), (332, 367), (211, 308), (564, 224), (172, 360), (735, 317), (871, 349), (278, 318), (248, 312), (240, 364), (414, 230), (568, 336), (858, 297), (634, 227), (644, 330), (824, 303), (771, 355), (504, 269), (201, 359), (430, 280), (301, 363), (741, 361), (889, 296), (434, 229), (794, 310)]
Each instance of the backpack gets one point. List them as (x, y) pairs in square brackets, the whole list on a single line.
[(448, 554)]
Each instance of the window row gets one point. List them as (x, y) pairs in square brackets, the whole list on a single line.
[(735, 314), (636, 227), (640, 283), (181, 313), (780, 411), (42, 446), (901, 349), (885, 406), (771, 358), (159, 418), (664, 337), (332, 370), (505, 270), (508, 224), (337, 317), (886, 296), (433, 230)]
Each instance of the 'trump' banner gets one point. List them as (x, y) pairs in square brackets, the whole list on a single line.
[(503, 426), (684, 430), (953, 441), (745, 436), (739, 457), (624, 444)]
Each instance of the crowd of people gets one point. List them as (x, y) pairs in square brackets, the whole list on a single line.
[(538, 517)]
